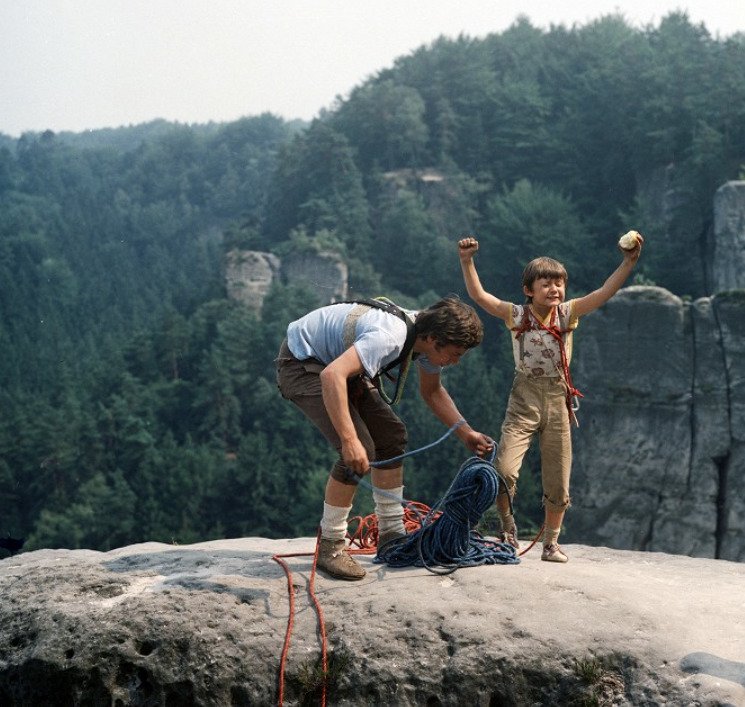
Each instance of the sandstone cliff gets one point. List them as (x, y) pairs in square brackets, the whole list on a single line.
[(204, 624), (660, 453), (727, 256), (249, 274)]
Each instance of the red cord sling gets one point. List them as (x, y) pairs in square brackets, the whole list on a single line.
[(530, 322)]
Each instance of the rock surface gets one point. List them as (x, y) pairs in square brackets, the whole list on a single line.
[(204, 624), (249, 274), (728, 256), (659, 455)]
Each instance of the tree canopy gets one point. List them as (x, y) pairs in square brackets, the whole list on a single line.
[(138, 402)]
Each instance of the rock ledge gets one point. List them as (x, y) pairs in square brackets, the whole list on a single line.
[(204, 624)]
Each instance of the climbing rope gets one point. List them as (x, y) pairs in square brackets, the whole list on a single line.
[(447, 536), (366, 535), (443, 535), (534, 540)]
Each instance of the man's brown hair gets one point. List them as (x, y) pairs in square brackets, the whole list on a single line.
[(450, 321)]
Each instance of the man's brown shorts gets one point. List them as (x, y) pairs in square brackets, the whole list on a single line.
[(379, 429)]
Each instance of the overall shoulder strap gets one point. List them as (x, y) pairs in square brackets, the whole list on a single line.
[(525, 325)]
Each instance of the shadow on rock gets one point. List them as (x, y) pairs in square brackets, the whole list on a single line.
[(177, 562), (715, 666)]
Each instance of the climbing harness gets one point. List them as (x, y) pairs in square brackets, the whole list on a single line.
[(443, 536), (530, 322), (402, 361)]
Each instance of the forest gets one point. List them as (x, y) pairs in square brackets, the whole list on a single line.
[(138, 402)]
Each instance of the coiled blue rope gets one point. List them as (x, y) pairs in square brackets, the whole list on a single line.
[(449, 540)]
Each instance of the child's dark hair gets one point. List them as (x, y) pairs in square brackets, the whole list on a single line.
[(543, 267), (451, 321)]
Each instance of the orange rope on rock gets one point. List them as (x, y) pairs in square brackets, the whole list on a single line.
[(365, 538), (321, 623), (280, 560), (290, 620), (535, 540)]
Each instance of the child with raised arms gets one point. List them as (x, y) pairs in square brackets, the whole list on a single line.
[(542, 395)]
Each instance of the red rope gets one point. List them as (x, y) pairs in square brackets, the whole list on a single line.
[(365, 537), (290, 620), (279, 559), (535, 540), (321, 623)]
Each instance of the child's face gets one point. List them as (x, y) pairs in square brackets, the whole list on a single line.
[(546, 291)]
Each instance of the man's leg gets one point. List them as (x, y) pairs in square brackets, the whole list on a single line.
[(299, 382), (333, 556), (389, 436), (337, 505), (388, 508)]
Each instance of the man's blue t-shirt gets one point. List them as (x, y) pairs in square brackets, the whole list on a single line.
[(379, 337)]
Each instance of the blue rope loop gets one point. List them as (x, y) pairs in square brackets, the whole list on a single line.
[(450, 539), (357, 479)]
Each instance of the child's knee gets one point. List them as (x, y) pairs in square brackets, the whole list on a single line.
[(557, 502)]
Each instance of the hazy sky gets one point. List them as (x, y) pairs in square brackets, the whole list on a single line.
[(80, 64)]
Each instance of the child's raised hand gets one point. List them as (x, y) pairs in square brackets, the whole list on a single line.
[(630, 245), (467, 247)]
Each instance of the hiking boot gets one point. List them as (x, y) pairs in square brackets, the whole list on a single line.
[(389, 536), (510, 537), (334, 559), (553, 553)]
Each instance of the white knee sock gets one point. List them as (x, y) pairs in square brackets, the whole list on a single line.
[(390, 512), (334, 522)]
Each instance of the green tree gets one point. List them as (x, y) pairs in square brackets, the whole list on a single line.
[(530, 221), (317, 186), (385, 122)]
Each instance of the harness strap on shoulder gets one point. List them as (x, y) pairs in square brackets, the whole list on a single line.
[(403, 360), (350, 323)]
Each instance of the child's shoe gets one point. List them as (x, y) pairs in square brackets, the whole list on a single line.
[(334, 559), (553, 553)]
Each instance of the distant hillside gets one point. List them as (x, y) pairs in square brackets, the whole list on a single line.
[(551, 142), (139, 402)]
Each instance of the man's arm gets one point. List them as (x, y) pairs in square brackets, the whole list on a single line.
[(588, 303), (467, 248), (445, 410), (335, 397)]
